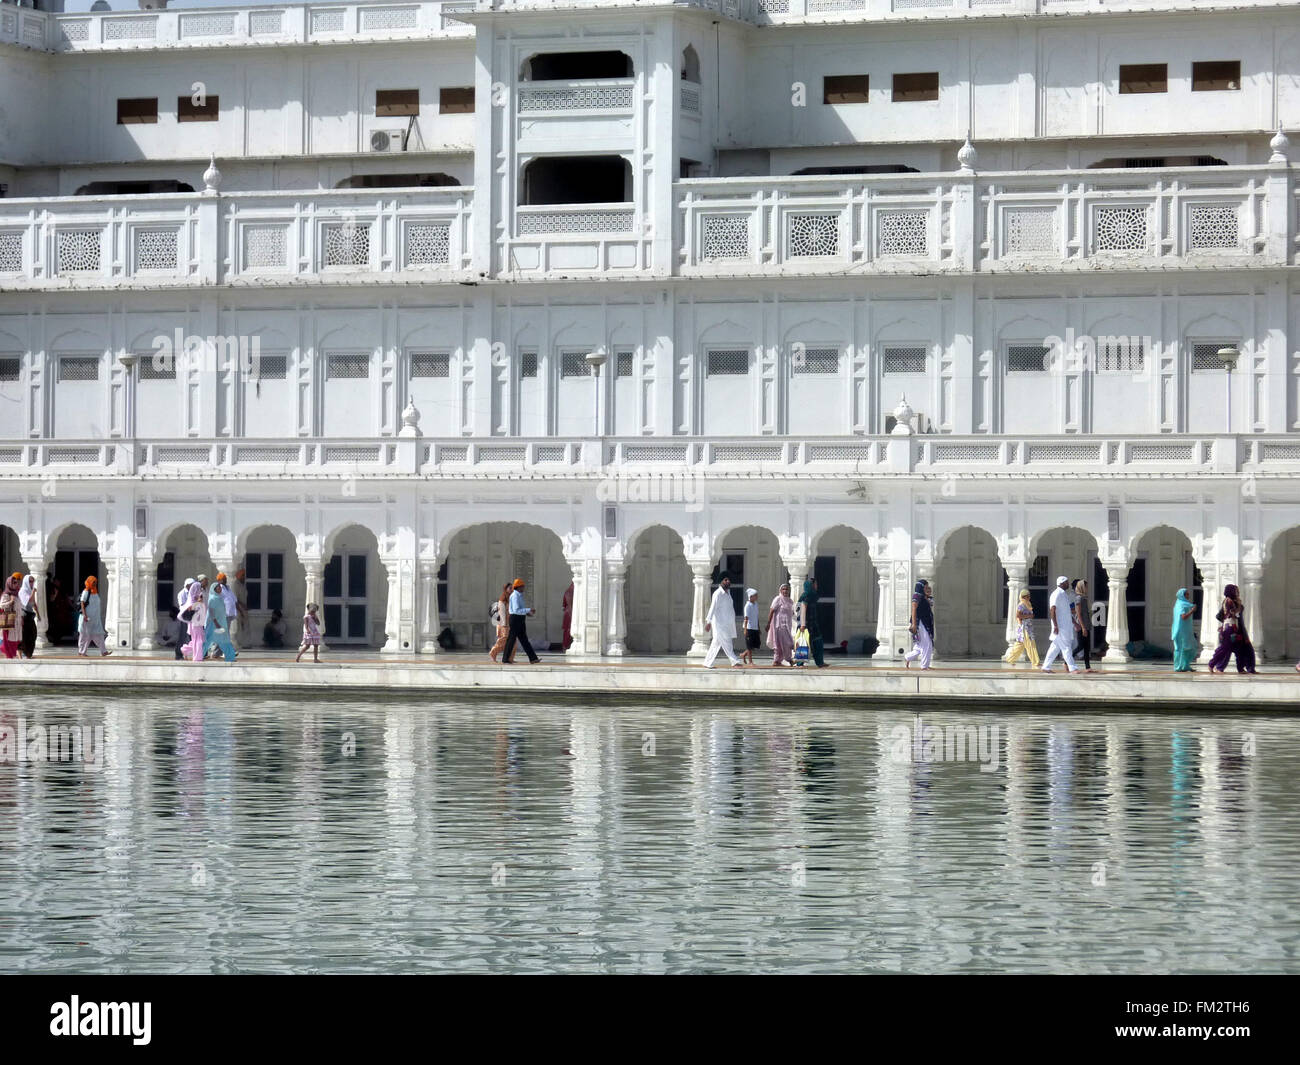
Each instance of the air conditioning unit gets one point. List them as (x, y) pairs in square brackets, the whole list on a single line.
[(387, 140)]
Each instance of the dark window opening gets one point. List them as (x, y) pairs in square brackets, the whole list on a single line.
[(1216, 76), (188, 111), (686, 166), (872, 168), (456, 101), (137, 111), (132, 188), (690, 65), (584, 179), (1143, 77), (527, 364), (572, 66), (910, 88), (396, 181), (397, 103), (846, 88), (1153, 162)]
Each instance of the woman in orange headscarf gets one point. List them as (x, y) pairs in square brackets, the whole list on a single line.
[(90, 624), (11, 616)]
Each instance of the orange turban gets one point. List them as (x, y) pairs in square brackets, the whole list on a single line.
[(92, 585), (518, 583)]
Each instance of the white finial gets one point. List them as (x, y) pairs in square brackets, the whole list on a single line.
[(1280, 144), (410, 420), (212, 176), (902, 418), (967, 156)]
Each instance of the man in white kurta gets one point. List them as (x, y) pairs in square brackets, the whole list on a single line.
[(1062, 627), (721, 621)]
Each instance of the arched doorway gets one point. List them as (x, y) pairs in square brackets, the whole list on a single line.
[(76, 557), (354, 589), (970, 596), (659, 593), (1070, 552), (479, 560), (182, 553), (274, 580), (848, 589), (1280, 606), (1161, 564), (751, 557)]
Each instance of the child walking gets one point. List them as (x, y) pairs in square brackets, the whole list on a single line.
[(751, 626), (310, 633)]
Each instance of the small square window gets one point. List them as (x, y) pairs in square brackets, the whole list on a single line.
[(188, 111), (727, 363), (1216, 76), (397, 103), (845, 89), (911, 88), (430, 364), (815, 360), (136, 112), (626, 364), (573, 364), (1027, 358), (905, 360), (271, 367), (79, 368), (10, 367), (160, 369), (456, 101), (1121, 355), (347, 367), (1205, 354), (1143, 77), (527, 364)]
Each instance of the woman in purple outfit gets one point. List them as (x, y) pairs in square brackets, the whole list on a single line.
[(1233, 638)]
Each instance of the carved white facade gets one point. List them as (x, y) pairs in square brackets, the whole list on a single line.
[(410, 224)]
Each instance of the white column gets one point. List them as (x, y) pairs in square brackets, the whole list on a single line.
[(884, 615), (1211, 599), (110, 601), (428, 610), (1017, 582), (578, 615), (1117, 612), (702, 580), (1252, 588), (797, 567), (393, 613), (616, 609), (37, 567), (312, 572), (146, 597)]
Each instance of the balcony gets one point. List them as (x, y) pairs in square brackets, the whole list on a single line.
[(194, 239), (986, 458)]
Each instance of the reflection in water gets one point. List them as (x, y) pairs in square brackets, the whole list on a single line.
[(227, 835)]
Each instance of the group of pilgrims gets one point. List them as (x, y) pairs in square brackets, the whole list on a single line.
[(793, 629)]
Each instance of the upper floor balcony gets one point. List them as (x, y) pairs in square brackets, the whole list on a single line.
[(1196, 218)]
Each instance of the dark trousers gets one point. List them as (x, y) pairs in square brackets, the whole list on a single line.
[(1083, 646), (28, 641), (518, 631), (179, 657), (818, 647)]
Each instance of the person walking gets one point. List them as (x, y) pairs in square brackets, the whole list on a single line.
[(1234, 640), (499, 615), (752, 641), (11, 616), (811, 620), (219, 618), (1059, 610), (1083, 625), (90, 623), (230, 609), (921, 627), (780, 627), (31, 616), (1182, 633), (310, 633), (721, 621), (519, 613), (1024, 643), (195, 615)]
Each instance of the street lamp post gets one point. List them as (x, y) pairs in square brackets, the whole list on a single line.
[(596, 359), (1228, 356)]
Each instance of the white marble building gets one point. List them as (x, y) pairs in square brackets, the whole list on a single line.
[(389, 241)]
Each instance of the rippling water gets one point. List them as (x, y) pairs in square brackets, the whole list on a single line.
[(236, 834)]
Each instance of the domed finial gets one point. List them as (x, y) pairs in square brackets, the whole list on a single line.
[(902, 418), (212, 176), (967, 156), (1280, 144), (410, 420)]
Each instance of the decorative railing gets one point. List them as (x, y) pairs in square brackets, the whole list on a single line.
[(562, 238), (987, 457), (547, 97), (242, 238)]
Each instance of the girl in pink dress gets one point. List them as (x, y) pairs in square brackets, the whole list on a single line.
[(310, 634)]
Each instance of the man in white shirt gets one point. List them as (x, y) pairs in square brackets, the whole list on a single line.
[(1059, 610), (721, 621)]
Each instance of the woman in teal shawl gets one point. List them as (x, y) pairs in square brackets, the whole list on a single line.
[(811, 620), (1184, 637)]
